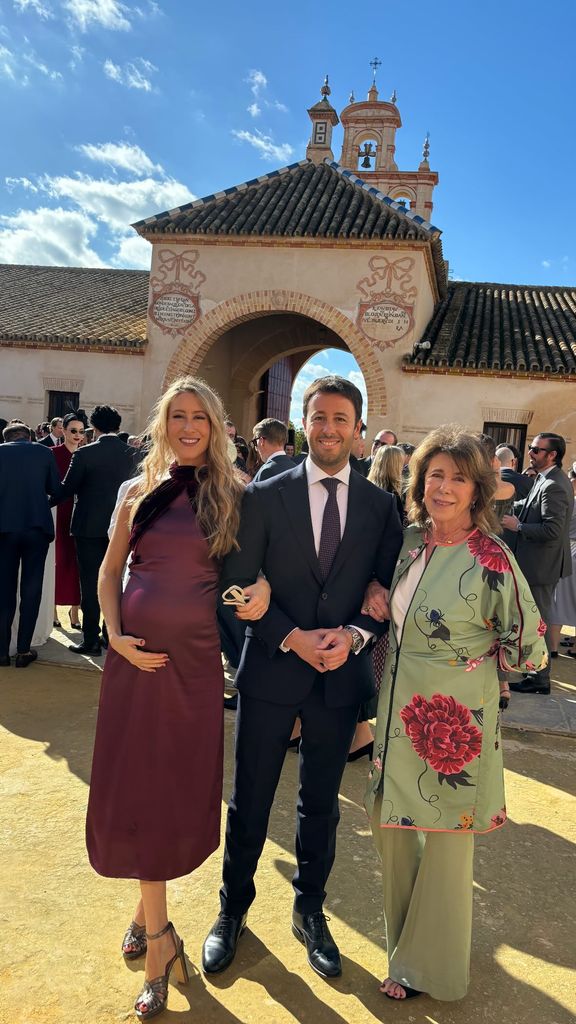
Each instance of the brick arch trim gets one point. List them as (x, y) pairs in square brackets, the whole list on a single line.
[(202, 335)]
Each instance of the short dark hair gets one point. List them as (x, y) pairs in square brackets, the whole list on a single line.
[(557, 444), (71, 417), (406, 447), (106, 419), (14, 431), (334, 385), (124, 435), (273, 431)]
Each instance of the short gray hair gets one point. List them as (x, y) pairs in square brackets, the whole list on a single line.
[(505, 456)]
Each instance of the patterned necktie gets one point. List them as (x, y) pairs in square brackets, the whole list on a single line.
[(330, 535)]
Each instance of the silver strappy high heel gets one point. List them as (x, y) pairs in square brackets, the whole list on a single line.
[(153, 998)]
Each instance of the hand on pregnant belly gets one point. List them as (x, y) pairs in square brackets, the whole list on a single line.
[(131, 648)]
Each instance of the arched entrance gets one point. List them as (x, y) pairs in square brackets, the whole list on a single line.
[(234, 345)]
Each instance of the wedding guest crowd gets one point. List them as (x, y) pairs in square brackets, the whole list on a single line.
[(293, 564)]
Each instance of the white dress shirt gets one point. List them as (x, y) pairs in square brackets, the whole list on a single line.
[(317, 497)]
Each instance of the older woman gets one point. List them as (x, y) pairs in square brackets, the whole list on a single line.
[(459, 607), (156, 787)]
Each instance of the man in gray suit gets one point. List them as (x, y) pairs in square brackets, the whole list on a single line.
[(269, 437), (541, 529)]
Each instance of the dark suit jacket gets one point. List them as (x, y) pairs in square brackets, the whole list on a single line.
[(28, 476), (47, 441), (360, 465), (273, 466), (523, 484), (94, 476), (543, 545), (276, 536)]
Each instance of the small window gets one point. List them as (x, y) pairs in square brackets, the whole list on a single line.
[(62, 402), (320, 132), (508, 433)]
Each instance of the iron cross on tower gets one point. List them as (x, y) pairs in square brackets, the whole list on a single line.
[(375, 64)]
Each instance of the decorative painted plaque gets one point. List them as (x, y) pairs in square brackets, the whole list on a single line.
[(384, 322), (174, 308), (386, 309), (175, 300)]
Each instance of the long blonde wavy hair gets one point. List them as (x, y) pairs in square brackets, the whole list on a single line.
[(386, 469), (220, 491)]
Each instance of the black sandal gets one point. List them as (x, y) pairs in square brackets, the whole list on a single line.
[(410, 992), (153, 998)]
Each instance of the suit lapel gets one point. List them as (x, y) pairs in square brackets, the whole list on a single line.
[(534, 494), (294, 493)]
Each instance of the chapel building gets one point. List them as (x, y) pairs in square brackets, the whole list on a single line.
[(248, 284)]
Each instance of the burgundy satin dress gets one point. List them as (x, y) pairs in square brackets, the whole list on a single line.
[(156, 788), (67, 579)]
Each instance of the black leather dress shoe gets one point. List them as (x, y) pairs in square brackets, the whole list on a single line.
[(5, 661), (323, 954), (530, 684), (231, 703), (85, 649), (219, 948), (23, 660)]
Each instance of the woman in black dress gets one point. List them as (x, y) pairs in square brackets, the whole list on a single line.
[(156, 787)]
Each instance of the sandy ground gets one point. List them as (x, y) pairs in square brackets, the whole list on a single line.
[(61, 925)]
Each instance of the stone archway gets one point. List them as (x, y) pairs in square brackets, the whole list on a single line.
[(198, 341)]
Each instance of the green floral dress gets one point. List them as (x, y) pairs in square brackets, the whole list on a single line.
[(438, 752)]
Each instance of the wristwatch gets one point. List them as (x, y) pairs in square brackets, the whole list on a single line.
[(357, 639)]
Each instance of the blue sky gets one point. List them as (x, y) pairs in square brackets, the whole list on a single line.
[(113, 111)]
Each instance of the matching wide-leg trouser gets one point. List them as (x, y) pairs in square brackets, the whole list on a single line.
[(427, 882)]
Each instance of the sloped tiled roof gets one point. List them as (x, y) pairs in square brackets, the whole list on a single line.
[(74, 306), (502, 327), (302, 200)]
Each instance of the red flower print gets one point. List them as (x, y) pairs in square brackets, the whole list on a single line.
[(441, 732), (542, 627), (488, 552)]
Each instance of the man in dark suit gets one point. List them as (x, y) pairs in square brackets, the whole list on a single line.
[(28, 477), (94, 476), (269, 438), (319, 533), (383, 437), (56, 433), (541, 527)]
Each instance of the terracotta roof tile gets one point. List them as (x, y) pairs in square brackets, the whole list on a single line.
[(526, 328), (73, 305)]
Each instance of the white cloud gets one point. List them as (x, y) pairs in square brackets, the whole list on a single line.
[(258, 85), (39, 65), (121, 155), (13, 183), (308, 373), (546, 263), (133, 74), (109, 14), (357, 378), (265, 145), (7, 63), (104, 208), (49, 237), (133, 252), (43, 10), (117, 203), (76, 58), (257, 81)]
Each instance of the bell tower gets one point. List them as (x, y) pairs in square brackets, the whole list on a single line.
[(324, 118), (369, 148)]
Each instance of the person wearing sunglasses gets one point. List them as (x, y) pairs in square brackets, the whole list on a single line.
[(67, 590), (541, 525)]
